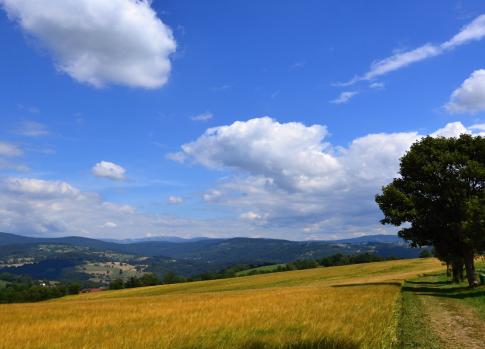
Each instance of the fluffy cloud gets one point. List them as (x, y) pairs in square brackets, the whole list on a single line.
[(36, 206), (453, 129), (290, 154), (100, 42), (110, 225), (38, 187), (470, 96), (289, 180), (252, 216), (285, 181), (108, 170), (473, 31), (374, 158), (9, 149), (344, 97), (55, 208)]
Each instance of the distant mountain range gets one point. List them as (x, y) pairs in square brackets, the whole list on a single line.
[(11, 239), (157, 238), (361, 239), (391, 239), (186, 256), (226, 251)]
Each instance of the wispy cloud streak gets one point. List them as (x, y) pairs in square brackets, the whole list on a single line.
[(474, 31)]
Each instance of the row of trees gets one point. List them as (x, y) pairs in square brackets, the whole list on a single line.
[(17, 289), (332, 261), (329, 261), (439, 200), (148, 279)]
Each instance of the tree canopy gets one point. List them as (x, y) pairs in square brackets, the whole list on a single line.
[(439, 199)]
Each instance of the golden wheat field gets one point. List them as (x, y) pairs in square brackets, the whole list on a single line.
[(343, 307)]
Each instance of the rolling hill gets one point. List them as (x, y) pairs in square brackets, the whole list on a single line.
[(346, 307), (23, 254)]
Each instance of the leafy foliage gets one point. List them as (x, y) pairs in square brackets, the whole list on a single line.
[(439, 198), (24, 289)]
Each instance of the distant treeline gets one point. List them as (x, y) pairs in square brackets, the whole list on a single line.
[(333, 260), (21, 288), (330, 261), (148, 279)]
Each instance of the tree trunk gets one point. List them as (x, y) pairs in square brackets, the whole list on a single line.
[(460, 273), (457, 271), (470, 268)]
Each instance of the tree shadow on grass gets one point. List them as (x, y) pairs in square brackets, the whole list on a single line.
[(429, 283), (396, 283), (434, 289), (324, 343)]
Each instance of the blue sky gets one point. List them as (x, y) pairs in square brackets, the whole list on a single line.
[(105, 111)]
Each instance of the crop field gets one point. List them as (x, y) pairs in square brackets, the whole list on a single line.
[(105, 272), (264, 268), (354, 306)]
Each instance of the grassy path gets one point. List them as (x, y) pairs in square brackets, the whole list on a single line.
[(456, 324), (437, 314)]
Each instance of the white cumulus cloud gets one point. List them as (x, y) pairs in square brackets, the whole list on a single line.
[(108, 170), (291, 154), (100, 42), (252, 216), (32, 206), (453, 129), (470, 96), (287, 179), (110, 225), (39, 187)]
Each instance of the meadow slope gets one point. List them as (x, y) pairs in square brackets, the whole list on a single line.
[(354, 306)]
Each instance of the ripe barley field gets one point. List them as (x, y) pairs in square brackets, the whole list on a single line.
[(345, 307)]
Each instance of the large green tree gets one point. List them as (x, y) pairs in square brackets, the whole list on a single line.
[(439, 199)]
